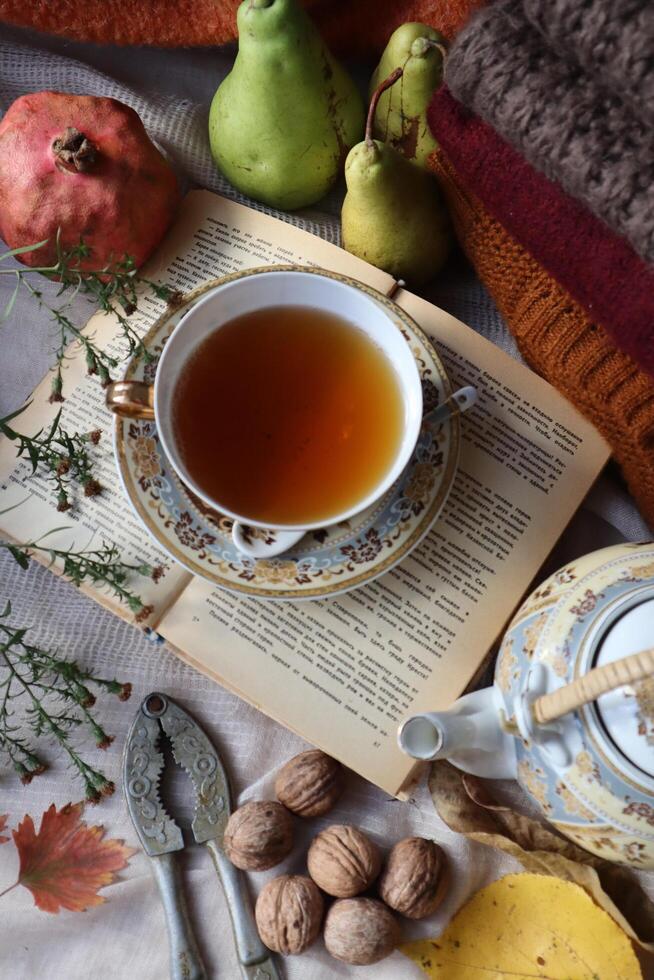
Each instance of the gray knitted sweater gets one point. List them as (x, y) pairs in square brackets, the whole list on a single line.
[(613, 40), (570, 124)]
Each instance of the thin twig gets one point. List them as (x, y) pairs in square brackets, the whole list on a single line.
[(113, 288), (28, 672)]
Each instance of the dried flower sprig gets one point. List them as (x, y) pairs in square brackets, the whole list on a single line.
[(42, 678), (30, 672), (113, 288), (63, 457), (101, 566)]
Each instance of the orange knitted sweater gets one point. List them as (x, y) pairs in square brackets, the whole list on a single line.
[(350, 26), (558, 339)]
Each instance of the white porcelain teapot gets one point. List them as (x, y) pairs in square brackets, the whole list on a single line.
[(571, 712)]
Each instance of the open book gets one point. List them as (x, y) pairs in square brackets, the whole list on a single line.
[(411, 640)]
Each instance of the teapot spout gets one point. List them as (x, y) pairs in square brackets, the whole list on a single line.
[(469, 735), (437, 734)]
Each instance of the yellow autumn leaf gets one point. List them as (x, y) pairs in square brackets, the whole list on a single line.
[(528, 926)]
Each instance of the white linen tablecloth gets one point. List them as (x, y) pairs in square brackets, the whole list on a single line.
[(125, 938)]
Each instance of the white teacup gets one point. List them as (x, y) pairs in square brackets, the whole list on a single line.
[(297, 287)]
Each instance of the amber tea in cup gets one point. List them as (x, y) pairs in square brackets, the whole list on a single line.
[(288, 415)]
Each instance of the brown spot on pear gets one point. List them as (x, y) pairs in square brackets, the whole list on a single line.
[(401, 114)]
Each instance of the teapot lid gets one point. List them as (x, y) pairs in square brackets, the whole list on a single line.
[(627, 713)]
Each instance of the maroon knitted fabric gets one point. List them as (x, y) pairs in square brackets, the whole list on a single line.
[(596, 266)]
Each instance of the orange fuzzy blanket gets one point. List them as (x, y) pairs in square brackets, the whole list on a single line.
[(350, 26)]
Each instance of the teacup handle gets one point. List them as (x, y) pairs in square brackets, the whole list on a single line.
[(274, 543), (130, 399)]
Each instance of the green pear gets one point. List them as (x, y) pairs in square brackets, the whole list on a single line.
[(401, 116), (393, 215), (283, 120)]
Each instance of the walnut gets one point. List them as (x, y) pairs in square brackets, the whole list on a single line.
[(343, 861), (414, 879), (289, 913), (310, 783), (258, 835), (360, 931)]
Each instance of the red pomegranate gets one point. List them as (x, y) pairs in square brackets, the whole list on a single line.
[(84, 165)]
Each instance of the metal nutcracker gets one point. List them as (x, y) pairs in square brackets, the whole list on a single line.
[(160, 836)]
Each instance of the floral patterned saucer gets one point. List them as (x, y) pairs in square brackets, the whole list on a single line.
[(325, 562)]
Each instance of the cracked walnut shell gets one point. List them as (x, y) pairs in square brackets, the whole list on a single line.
[(343, 861), (414, 879), (258, 835), (289, 913), (310, 783), (360, 931)]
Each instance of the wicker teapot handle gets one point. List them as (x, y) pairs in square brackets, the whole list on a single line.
[(596, 682)]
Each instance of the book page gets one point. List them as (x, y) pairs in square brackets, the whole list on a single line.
[(345, 671), (212, 237)]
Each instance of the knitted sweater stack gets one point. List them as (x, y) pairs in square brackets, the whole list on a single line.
[(547, 163)]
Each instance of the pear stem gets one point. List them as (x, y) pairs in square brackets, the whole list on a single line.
[(437, 44), (391, 80)]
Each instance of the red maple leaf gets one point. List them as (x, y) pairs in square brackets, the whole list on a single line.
[(67, 862), (3, 821)]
